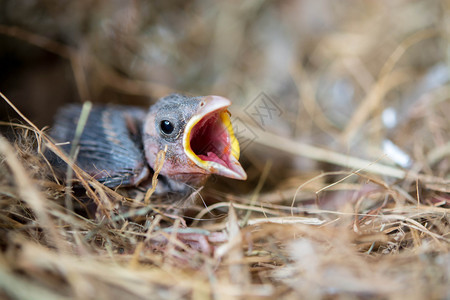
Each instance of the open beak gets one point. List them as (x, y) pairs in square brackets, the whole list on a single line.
[(209, 139)]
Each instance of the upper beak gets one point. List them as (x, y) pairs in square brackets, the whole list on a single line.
[(209, 140)]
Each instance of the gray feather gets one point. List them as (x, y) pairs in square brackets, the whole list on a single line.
[(110, 147)]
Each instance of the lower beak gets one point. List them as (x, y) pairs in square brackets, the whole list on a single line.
[(209, 139)]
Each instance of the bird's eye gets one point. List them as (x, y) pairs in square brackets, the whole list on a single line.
[(167, 126)]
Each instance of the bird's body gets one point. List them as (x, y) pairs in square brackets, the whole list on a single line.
[(119, 144)]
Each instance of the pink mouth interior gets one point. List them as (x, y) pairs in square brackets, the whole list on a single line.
[(210, 140)]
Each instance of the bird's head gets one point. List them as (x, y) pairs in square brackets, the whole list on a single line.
[(198, 134)]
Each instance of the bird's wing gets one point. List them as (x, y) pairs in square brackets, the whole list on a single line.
[(110, 147)]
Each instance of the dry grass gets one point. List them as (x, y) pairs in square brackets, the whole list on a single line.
[(330, 210)]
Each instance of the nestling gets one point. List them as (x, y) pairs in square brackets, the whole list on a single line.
[(119, 144)]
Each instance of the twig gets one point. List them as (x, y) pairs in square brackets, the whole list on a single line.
[(30, 193), (81, 175), (74, 151), (160, 157), (257, 190)]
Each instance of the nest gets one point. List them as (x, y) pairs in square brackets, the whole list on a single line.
[(344, 131)]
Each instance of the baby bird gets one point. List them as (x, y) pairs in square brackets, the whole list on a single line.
[(119, 144)]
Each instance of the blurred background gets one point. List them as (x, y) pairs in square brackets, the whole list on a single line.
[(359, 77)]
